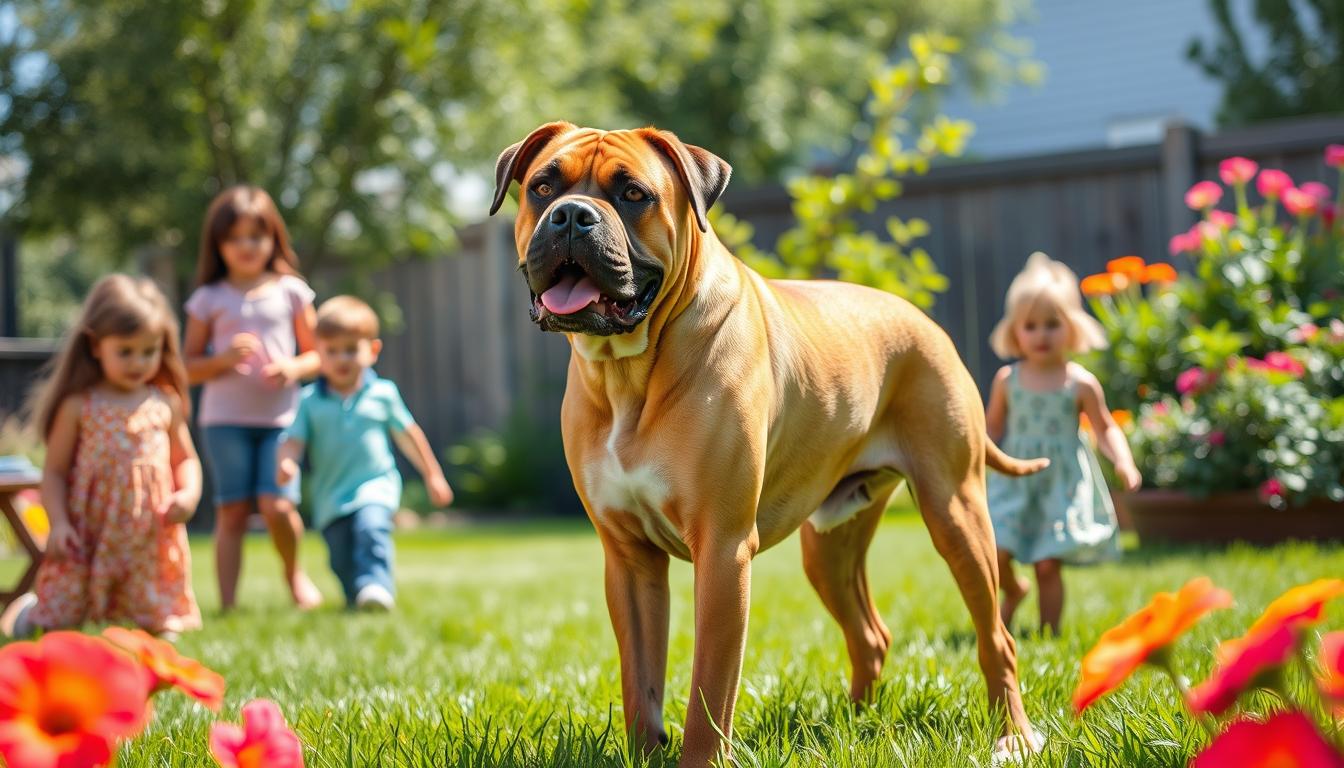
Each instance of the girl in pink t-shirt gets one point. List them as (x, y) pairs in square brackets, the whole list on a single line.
[(249, 340)]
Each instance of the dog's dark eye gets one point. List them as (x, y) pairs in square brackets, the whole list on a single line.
[(542, 189), (633, 194)]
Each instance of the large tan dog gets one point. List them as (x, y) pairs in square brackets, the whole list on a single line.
[(710, 413)]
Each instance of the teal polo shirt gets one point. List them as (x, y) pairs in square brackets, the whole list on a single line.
[(350, 462)]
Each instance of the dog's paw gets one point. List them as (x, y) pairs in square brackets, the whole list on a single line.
[(1014, 748)]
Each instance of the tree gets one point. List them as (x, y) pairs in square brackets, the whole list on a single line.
[(1302, 71), (361, 116)]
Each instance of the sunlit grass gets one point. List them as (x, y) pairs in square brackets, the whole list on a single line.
[(501, 654)]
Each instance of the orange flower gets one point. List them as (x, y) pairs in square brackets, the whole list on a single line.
[(66, 700), (1286, 740), (1158, 273), (168, 668), (1084, 423), (264, 741), (1300, 606), (1132, 267), (1331, 680), (1242, 664), (1122, 418), (1099, 285), (1124, 647)]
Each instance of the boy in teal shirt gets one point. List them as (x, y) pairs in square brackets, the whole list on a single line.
[(343, 422)]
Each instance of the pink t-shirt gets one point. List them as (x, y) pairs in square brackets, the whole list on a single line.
[(242, 397)]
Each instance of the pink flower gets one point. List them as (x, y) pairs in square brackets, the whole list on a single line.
[(1272, 183), (1304, 332), (1160, 409), (1285, 740), (1192, 381), (1237, 170), (1183, 243), (1203, 196), (1337, 330), (1223, 219), (264, 741), (1271, 489), (1334, 155), (1217, 438), (1299, 203), (1317, 190), (1284, 363)]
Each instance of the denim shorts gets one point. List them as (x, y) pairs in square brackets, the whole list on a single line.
[(242, 463)]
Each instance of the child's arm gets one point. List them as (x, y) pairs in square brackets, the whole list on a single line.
[(1110, 438), (996, 413), (202, 367), (287, 460), (304, 365), (181, 504), (62, 541), (412, 443)]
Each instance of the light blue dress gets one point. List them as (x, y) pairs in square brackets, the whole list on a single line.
[(1063, 512)]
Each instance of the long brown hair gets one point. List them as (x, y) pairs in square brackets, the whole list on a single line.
[(228, 207), (118, 305)]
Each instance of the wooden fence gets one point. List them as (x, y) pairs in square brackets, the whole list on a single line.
[(467, 357)]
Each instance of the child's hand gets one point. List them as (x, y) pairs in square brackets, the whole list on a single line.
[(280, 373), (241, 347), (439, 493), (179, 507), (62, 541), (1129, 475), (285, 471)]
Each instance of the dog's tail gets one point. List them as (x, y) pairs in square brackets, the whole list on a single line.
[(1005, 464)]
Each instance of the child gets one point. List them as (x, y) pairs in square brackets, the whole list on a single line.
[(1064, 513), (343, 422), (121, 475), (252, 310)]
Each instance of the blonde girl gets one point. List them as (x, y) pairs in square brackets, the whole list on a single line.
[(249, 340), (121, 475), (1064, 513)]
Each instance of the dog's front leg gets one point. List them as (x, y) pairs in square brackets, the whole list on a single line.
[(722, 597), (637, 597)]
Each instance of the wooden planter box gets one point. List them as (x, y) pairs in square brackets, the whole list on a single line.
[(1166, 515)]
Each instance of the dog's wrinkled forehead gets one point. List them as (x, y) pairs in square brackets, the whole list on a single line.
[(599, 163)]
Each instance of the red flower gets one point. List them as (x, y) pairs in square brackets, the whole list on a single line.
[(1241, 663), (1331, 680), (1334, 155), (1193, 381), (1217, 438), (1272, 183), (1237, 170), (1124, 647), (66, 700), (1223, 219), (1300, 203), (1271, 489), (264, 741), (1286, 740), (167, 668), (1203, 196), (1329, 214)]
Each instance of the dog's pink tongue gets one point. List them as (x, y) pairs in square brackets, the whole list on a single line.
[(570, 295)]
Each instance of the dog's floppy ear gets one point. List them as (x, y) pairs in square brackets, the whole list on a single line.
[(704, 174), (514, 160)]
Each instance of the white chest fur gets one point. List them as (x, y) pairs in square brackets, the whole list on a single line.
[(638, 490)]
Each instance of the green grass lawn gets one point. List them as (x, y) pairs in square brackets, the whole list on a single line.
[(501, 654)]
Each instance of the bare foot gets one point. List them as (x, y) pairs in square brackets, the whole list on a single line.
[(304, 591), (1014, 591), (1016, 748)]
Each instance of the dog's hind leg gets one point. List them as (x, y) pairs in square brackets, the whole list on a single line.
[(835, 562), (951, 498)]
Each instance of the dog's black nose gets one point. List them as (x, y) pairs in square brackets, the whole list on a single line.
[(574, 218)]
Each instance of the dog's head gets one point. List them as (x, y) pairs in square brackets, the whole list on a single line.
[(603, 218)]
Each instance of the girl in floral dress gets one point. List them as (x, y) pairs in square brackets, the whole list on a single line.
[(121, 475)]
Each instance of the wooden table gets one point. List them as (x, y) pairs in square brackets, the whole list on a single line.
[(10, 486)]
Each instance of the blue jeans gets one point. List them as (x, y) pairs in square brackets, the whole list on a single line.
[(360, 545), (242, 463)]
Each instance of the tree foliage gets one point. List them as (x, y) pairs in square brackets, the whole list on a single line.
[(1300, 73)]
